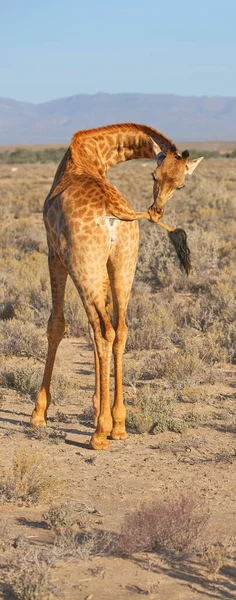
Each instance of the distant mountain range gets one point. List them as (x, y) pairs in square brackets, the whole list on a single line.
[(179, 117)]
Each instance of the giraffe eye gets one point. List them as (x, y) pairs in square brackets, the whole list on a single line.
[(181, 187)]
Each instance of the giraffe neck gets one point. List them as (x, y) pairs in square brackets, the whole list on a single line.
[(96, 150)]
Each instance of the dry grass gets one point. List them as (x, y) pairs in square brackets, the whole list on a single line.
[(26, 380), (21, 339), (214, 558), (29, 577), (29, 479)]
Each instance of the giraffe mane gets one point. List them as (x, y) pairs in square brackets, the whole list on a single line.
[(164, 142)]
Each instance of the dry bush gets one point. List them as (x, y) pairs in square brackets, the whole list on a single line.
[(25, 284), (96, 543), (150, 408), (29, 479), (21, 339), (46, 435), (6, 535), (150, 323), (61, 417), (83, 545), (142, 367), (156, 259), (60, 516), (27, 380), (164, 527), (63, 389), (23, 235), (192, 394), (186, 365), (214, 557), (132, 371), (192, 419), (69, 521), (29, 577), (69, 514), (19, 378), (151, 412)]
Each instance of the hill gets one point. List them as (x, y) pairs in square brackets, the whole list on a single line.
[(181, 118)]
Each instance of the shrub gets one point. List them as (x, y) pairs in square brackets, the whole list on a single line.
[(214, 557), (151, 324), (150, 409), (164, 527), (83, 545), (29, 479), (21, 339), (27, 380), (29, 577), (61, 516), (192, 394), (18, 378), (6, 535), (186, 365), (48, 434)]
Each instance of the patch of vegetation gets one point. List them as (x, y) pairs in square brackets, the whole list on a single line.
[(26, 380), (214, 557), (29, 479), (29, 577), (24, 155), (168, 527), (21, 339)]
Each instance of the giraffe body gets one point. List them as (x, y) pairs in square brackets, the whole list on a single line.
[(93, 236)]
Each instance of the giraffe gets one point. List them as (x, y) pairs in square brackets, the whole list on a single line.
[(93, 236)]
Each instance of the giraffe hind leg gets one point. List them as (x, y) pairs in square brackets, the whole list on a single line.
[(103, 338)]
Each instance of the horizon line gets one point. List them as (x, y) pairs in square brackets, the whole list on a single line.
[(173, 94)]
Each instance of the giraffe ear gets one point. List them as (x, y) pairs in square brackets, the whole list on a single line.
[(156, 149), (191, 165)]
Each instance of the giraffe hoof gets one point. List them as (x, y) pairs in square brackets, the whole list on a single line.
[(118, 435), (99, 442), (37, 421)]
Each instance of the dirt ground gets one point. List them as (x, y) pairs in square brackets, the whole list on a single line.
[(139, 469)]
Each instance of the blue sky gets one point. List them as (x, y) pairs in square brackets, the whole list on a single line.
[(52, 49)]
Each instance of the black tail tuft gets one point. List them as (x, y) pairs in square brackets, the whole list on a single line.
[(178, 238)]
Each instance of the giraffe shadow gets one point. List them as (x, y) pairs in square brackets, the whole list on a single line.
[(83, 445), (14, 421), (84, 372)]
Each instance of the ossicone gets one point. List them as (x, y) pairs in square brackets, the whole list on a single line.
[(185, 154)]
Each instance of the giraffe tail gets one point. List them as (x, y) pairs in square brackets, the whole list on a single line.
[(178, 238)]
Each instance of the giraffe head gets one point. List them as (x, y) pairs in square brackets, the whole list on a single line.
[(169, 174)]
